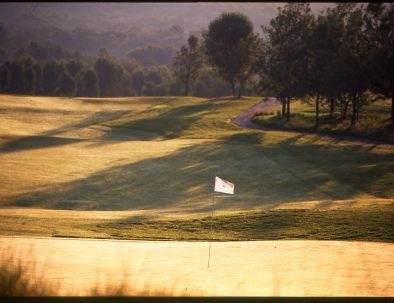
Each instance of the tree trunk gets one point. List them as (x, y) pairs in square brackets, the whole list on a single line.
[(341, 107), (317, 110), (288, 109), (241, 86), (392, 110), (283, 100), (332, 106), (344, 107), (232, 87), (186, 88), (354, 110)]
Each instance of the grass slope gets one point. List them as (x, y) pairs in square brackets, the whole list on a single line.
[(160, 154), (372, 223)]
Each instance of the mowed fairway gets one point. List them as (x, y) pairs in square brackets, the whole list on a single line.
[(154, 158)]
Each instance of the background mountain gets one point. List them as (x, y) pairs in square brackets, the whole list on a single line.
[(118, 27)]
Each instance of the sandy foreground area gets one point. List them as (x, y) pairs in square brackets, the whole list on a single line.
[(259, 268)]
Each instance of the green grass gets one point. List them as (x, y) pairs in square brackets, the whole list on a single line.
[(161, 154), (374, 121)]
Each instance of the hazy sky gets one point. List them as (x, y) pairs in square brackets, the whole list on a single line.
[(191, 16)]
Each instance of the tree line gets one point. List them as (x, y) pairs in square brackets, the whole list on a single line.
[(343, 57), (103, 76)]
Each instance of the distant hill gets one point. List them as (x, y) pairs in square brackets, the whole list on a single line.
[(119, 27)]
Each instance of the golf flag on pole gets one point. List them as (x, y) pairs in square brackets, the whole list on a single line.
[(224, 186)]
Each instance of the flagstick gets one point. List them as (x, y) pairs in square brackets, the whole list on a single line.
[(213, 202)]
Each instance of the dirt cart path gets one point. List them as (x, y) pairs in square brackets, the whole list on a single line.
[(261, 268), (244, 119)]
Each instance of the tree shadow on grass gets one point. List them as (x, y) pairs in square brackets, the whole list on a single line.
[(263, 175), (167, 124), (35, 142), (155, 123), (170, 123), (249, 137), (52, 137)]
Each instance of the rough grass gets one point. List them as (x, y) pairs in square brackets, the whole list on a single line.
[(332, 221), (20, 278), (162, 154)]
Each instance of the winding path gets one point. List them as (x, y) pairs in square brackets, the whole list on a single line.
[(244, 119)]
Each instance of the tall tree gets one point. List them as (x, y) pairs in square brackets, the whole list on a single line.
[(188, 62), (317, 53), (30, 78), (149, 89), (91, 83), (50, 76), (138, 81), (109, 73), (66, 85), (323, 76), (353, 58), (379, 19), (230, 45), (38, 78), (73, 67), (331, 26), (152, 74), (16, 80), (3, 56), (284, 58), (4, 76)]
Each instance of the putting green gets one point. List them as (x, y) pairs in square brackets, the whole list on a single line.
[(261, 268)]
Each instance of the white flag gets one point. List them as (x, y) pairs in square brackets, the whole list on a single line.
[(224, 186)]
